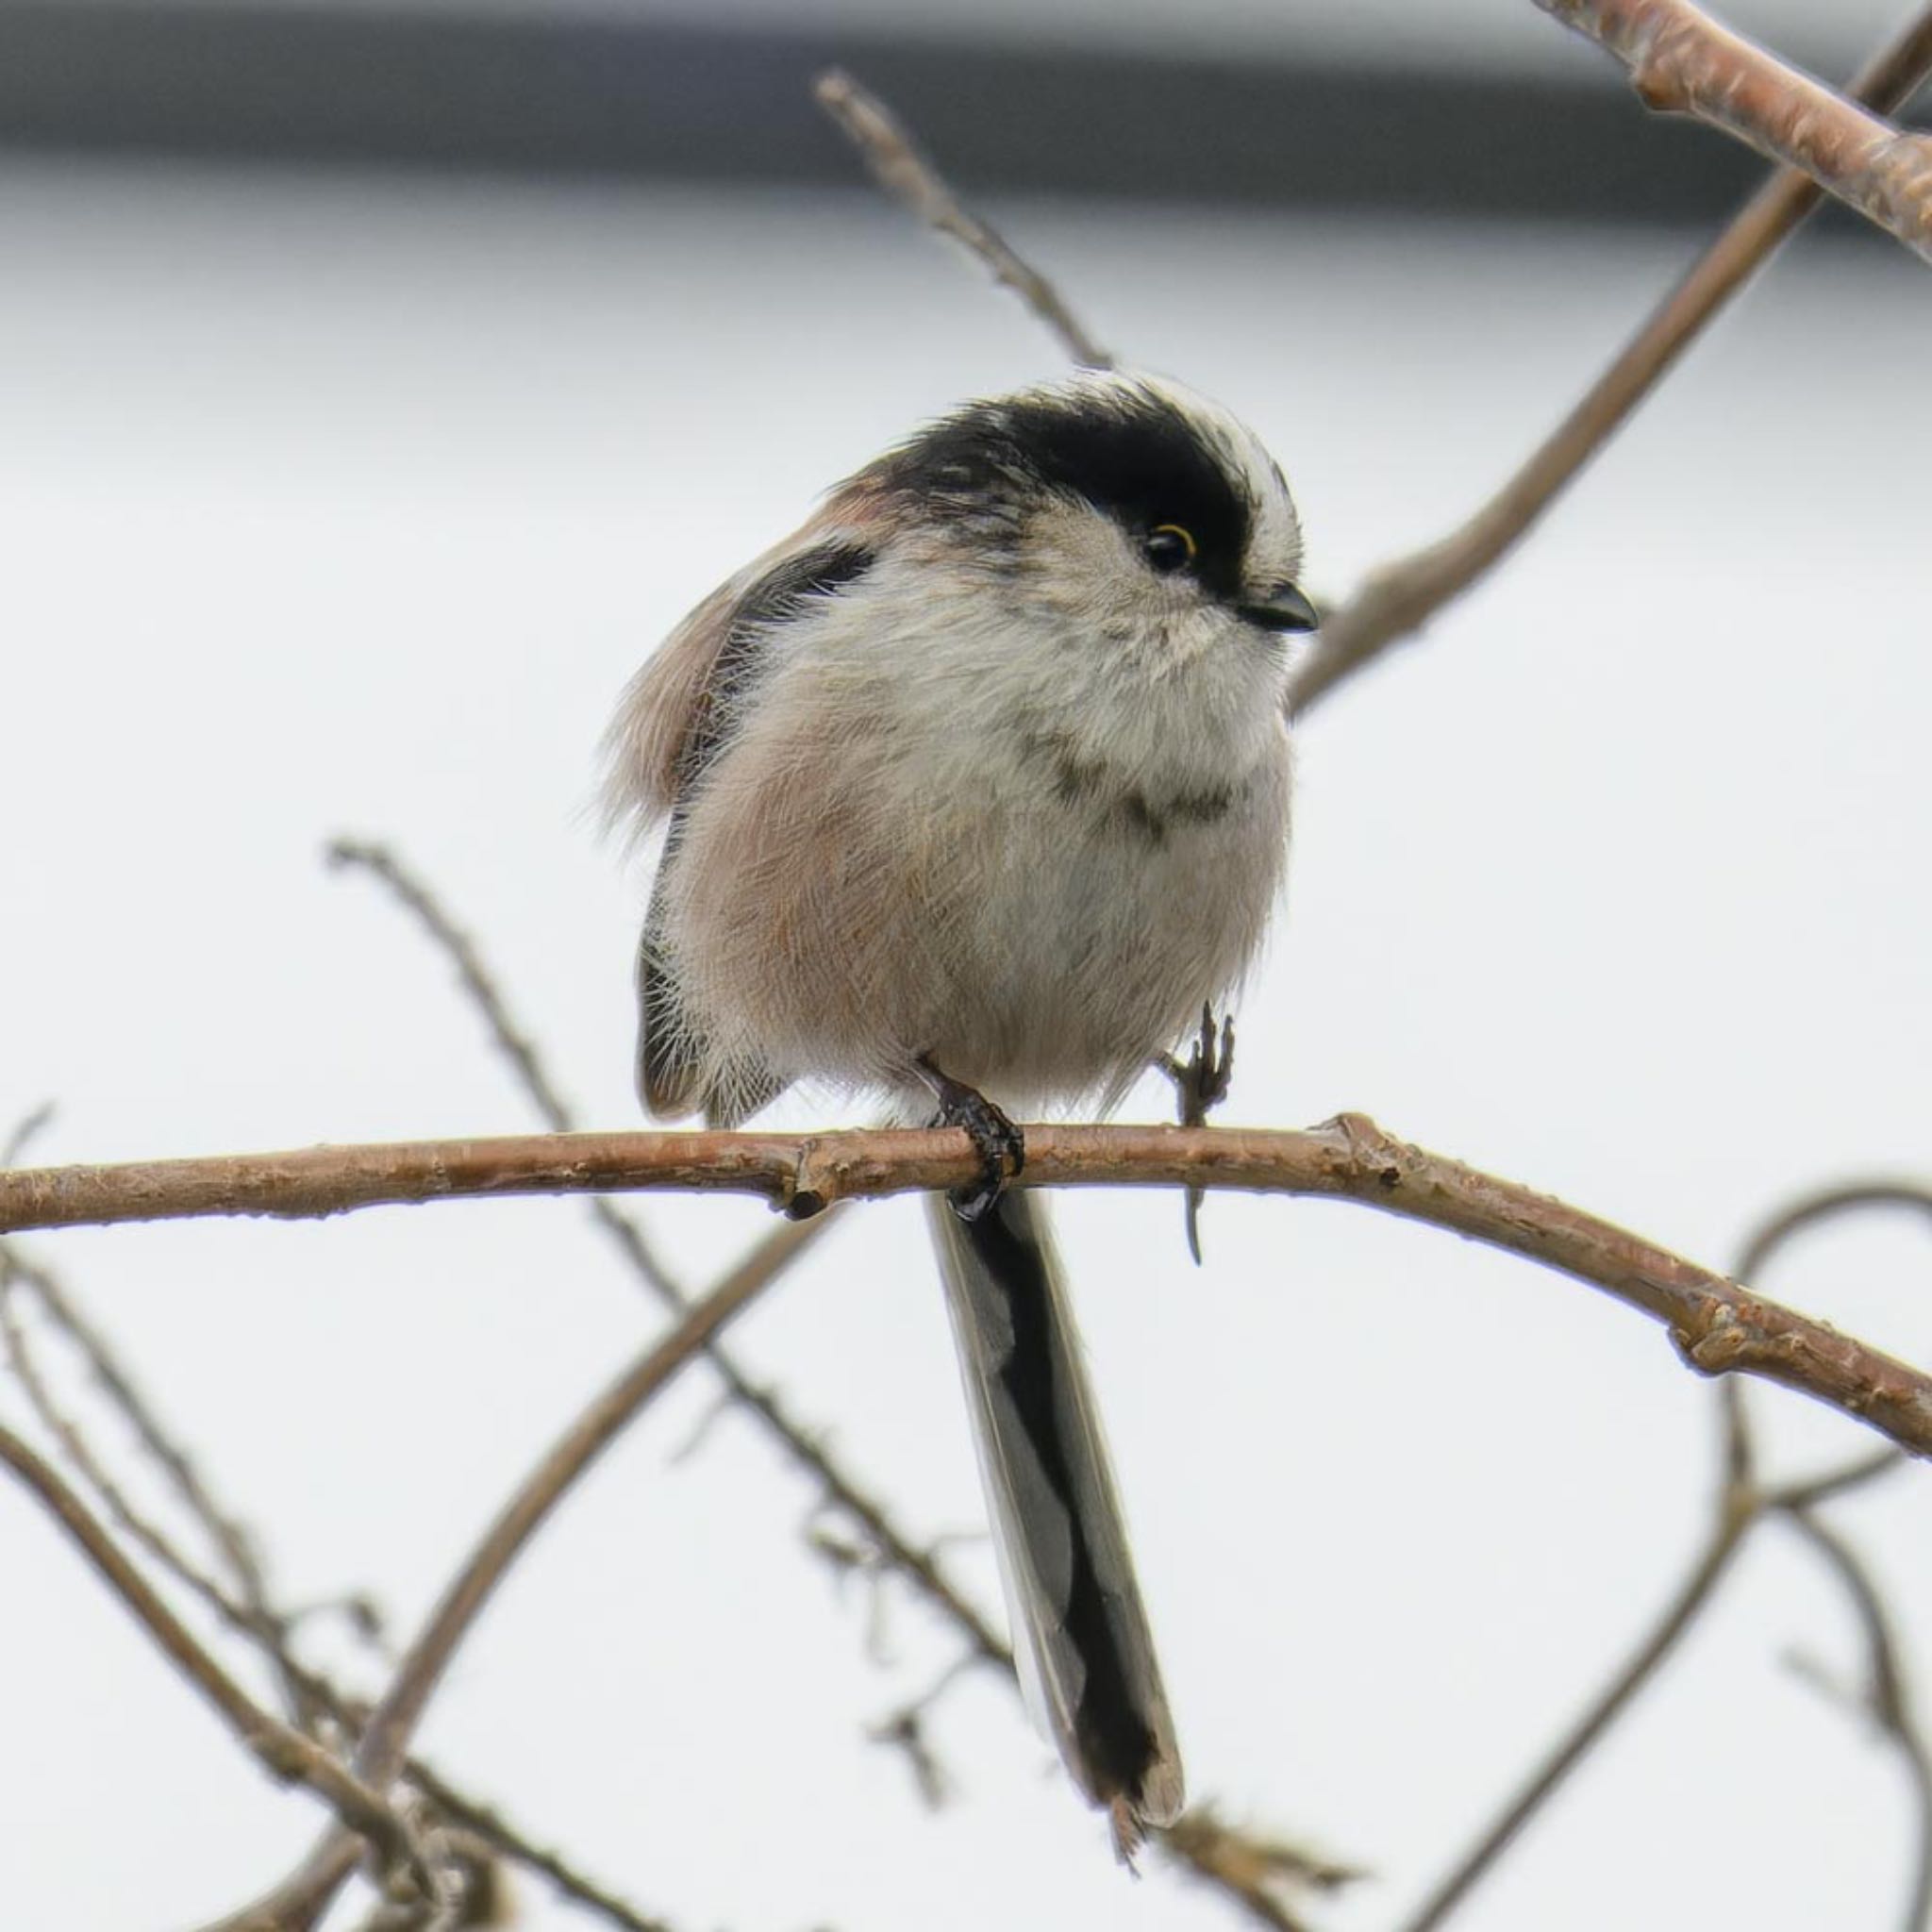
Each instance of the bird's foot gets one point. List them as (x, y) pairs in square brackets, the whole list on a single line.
[(1200, 1085), (1001, 1145)]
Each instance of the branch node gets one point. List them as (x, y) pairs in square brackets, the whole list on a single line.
[(812, 1185), (1723, 1345)]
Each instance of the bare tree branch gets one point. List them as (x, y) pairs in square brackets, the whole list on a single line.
[(285, 1753), (244, 1603), (1886, 1702), (383, 1750), (1719, 1327), (910, 178), (491, 1825), (1713, 1565), (1682, 62), (1828, 1204), (1398, 597), (254, 1616), (1741, 1506), (805, 1446), (1269, 1876), (1220, 1853), (24, 1133)]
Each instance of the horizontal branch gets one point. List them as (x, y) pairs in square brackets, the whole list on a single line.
[(1682, 62), (1717, 1325)]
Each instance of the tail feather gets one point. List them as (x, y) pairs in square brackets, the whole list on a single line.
[(1080, 1632)]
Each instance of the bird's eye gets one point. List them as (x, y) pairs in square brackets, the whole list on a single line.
[(1168, 548)]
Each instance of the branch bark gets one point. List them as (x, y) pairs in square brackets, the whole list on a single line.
[(1717, 1325), (1682, 62)]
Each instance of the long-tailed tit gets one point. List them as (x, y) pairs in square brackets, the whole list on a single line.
[(976, 788)]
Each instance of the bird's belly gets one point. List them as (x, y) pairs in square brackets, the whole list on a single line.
[(1040, 950), (1094, 952)]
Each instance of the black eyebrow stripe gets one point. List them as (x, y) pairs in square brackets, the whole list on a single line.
[(1132, 454)]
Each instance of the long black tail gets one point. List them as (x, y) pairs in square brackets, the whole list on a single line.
[(1079, 1628)]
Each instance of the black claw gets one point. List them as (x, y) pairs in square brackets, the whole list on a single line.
[(1001, 1145), (1200, 1086)]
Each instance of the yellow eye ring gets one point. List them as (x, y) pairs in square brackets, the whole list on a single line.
[(1169, 547)]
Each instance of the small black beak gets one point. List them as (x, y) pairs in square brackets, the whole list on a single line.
[(1283, 608)]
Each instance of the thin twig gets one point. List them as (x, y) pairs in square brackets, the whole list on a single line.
[(1710, 1569), (258, 1620), (1828, 1204), (1719, 1327), (81, 1454), (1886, 1701), (1741, 1506), (287, 1754), (803, 1445), (479, 983), (1399, 597), (244, 1603), (383, 1749), (1762, 1247), (1681, 62), (24, 1134), (1266, 1875), (907, 175), (491, 1825)]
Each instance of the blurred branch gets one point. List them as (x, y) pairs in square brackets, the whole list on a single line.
[(1269, 1876), (1736, 1514), (1886, 1702), (1719, 1327), (802, 1446), (254, 1615), (244, 1603), (286, 1753), (905, 173), (1828, 1204), (1219, 1853), (1400, 596), (382, 1752), (1742, 1503), (24, 1134), (1681, 62), (495, 1830)]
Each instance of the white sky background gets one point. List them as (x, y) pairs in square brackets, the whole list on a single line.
[(350, 506)]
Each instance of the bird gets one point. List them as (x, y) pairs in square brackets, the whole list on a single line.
[(973, 792)]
